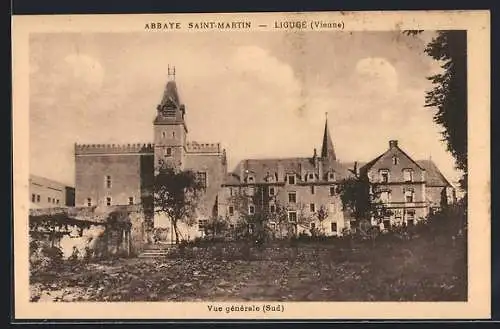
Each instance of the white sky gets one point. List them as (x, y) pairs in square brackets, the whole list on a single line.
[(260, 94)]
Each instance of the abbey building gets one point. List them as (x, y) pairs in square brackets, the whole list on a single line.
[(300, 189)]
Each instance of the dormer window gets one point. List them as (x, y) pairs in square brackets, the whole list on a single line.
[(331, 176), (384, 176), (250, 179), (272, 191), (408, 175), (291, 179), (270, 178), (310, 177), (395, 160)]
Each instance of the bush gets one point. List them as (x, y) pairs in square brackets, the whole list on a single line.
[(46, 258)]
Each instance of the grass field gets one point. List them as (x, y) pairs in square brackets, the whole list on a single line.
[(417, 270)]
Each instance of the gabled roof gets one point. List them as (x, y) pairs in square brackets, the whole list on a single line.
[(367, 166), (433, 175)]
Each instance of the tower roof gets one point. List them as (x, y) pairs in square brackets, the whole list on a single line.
[(170, 110), (170, 94), (327, 150)]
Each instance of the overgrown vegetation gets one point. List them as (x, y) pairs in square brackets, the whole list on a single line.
[(176, 195)]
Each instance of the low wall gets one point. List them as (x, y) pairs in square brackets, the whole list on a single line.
[(115, 230)]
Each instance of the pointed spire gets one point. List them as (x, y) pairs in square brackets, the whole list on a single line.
[(327, 150)]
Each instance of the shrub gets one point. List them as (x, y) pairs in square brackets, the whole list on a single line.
[(46, 258)]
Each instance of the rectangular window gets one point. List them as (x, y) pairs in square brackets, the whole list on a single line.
[(231, 210), (332, 207), (130, 200), (408, 196), (57, 201), (168, 152), (53, 201), (230, 191), (292, 197), (292, 216), (201, 176), (38, 198), (408, 175), (272, 209), (251, 190), (33, 198), (312, 189), (385, 196), (89, 202), (310, 177), (312, 207), (291, 179), (410, 214), (108, 201), (334, 226), (108, 181), (48, 199), (394, 160), (272, 191), (250, 179), (272, 225), (331, 176), (251, 210), (384, 176), (332, 190)]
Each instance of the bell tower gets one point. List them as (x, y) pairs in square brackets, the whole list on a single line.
[(170, 128)]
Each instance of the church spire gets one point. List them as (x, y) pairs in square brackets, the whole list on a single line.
[(327, 150)]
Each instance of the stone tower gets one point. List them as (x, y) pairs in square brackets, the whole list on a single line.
[(170, 128)]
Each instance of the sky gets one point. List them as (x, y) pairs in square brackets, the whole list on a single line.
[(260, 94)]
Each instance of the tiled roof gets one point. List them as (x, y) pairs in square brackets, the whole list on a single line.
[(433, 175), (261, 168)]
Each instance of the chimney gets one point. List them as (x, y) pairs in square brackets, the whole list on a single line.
[(242, 172), (393, 143), (356, 168), (281, 172)]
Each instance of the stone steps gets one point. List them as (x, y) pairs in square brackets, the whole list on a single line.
[(156, 251)]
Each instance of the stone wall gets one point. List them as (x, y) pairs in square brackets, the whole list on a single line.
[(116, 230)]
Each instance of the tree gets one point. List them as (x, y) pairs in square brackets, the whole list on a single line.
[(322, 214), (361, 198), (176, 195), (449, 94)]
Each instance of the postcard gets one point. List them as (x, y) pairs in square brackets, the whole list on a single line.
[(309, 165)]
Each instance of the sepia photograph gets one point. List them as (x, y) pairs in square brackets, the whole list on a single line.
[(205, 160)]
